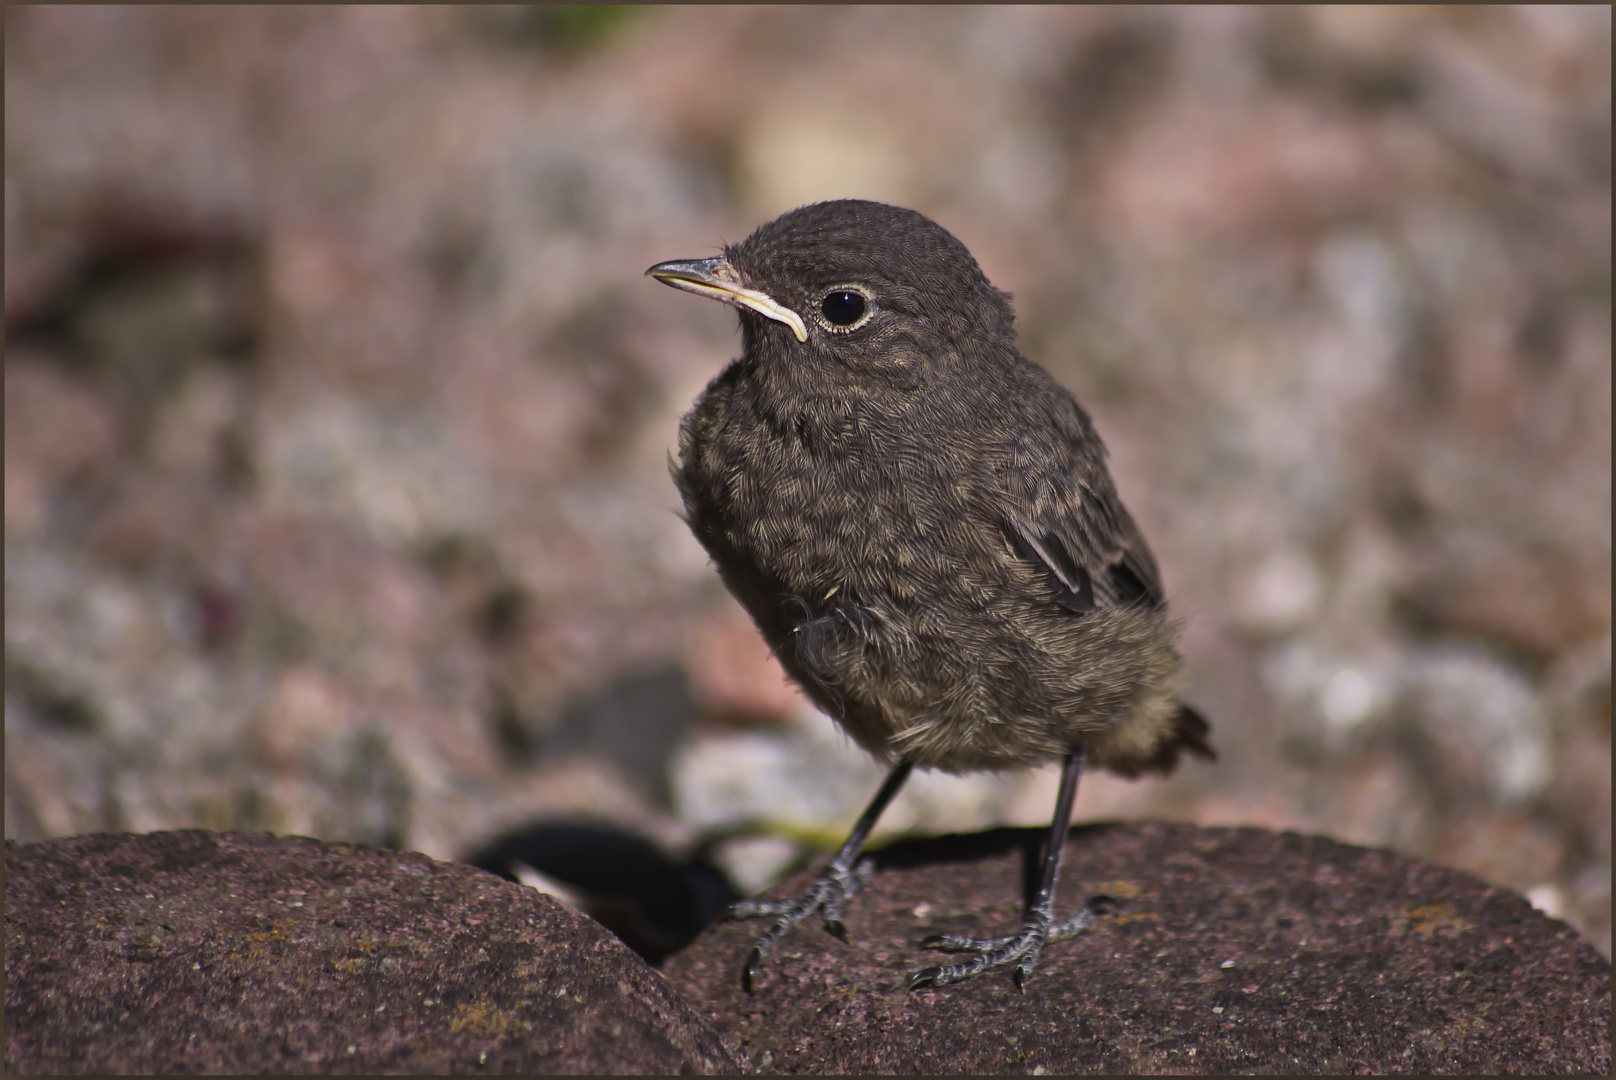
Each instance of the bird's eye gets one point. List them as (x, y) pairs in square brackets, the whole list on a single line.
[(842, 308)]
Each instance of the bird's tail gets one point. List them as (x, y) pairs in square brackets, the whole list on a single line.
[(1188, 735)]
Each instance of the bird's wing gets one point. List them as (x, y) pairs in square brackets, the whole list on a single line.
[(1070, 524), (1119, 571)]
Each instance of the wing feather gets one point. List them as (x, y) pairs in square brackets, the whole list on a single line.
[(1069, 523)]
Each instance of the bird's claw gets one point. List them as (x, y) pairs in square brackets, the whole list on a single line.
[(952, 943), (1097, 907), (749, 970), (827, 895), (1023, 948)]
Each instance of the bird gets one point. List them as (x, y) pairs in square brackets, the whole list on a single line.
[(920, 521)]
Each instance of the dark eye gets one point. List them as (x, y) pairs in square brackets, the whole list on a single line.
[(844, 307)]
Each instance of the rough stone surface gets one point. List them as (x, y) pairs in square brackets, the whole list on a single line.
[(201, 952), (1235, 950)]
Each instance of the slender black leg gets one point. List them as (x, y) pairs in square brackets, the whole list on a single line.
[(1040, 926), (845, 876)]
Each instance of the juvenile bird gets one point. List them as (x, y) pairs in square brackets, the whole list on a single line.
[(920, 521)]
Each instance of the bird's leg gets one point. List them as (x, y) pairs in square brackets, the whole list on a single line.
[(1040, 926), (845, 875)]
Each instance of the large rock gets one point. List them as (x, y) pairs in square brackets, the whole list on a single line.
[(215, 952), (1235, 950)]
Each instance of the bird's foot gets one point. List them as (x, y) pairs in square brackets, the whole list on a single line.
[(828, 894), (1023, 947)]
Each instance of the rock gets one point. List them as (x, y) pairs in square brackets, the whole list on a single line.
[(1234, 950), (218, 952)]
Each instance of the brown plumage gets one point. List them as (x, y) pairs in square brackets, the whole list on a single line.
[(919, 518)]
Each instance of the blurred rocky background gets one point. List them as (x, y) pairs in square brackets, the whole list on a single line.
[(337, 410)]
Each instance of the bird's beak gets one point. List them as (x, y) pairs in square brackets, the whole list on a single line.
[(717, 280)]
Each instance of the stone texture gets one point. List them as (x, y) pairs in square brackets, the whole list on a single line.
[(1235, 950), (203, 952)]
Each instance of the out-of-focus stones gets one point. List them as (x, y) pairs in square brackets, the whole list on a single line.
[(56, 427), (335, 397), (396, 475), (1281, 593), (808, 783), (733, 674), (1480, 722), (1484, 723)]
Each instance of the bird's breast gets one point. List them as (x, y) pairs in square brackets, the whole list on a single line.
[(832, 497)]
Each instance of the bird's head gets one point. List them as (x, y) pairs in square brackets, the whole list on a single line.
[(878, 289)]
